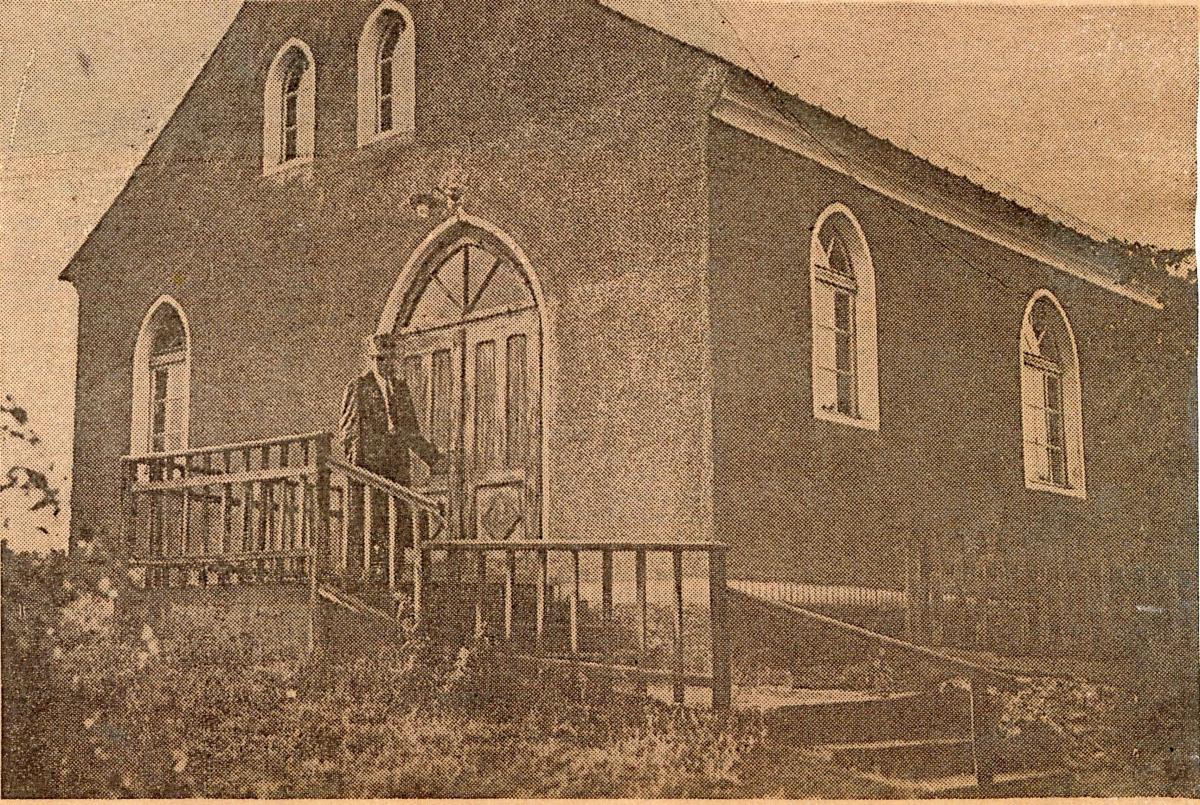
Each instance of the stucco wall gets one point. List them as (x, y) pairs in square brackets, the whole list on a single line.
[(804, 499), (582, 137)]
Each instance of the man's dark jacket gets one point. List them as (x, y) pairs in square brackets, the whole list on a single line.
[(370, 440)]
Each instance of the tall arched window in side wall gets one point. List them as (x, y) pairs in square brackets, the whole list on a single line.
[(386, 74), (161, 380), (1051, 399), (289, 107), (845, 370)]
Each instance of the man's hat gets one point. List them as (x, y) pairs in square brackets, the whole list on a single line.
[(380, 344)]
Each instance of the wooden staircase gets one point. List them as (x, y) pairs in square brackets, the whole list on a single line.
[(919, 743), (941, 738)]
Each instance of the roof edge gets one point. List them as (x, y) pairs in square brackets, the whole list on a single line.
[(761, 120), (68, 273)]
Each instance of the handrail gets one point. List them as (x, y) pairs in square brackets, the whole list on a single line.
[(936, 657), (221, 448), (354, 603), (242, 557), (221, 478), (391, 487), (566, 545)]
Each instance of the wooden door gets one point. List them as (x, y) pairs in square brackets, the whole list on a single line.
[(501, 476), (472, 345)]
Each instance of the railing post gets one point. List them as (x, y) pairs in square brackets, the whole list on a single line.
[(206, 468), (318, 554), (226, 501), (983, 733), (267, 513), (248, 505), (392, 521), (185, 516), (642, 611), (284, 488), (575, 595), (418, 594), (718, 615), (480, 591), (368, 529), (510, 589), (540, 583), (677, 676), (128, 508), (607, 639)]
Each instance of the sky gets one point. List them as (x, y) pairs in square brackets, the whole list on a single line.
[(1088, 111)]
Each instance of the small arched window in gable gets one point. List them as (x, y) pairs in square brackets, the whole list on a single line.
[(386, 74), (161, 381), (1051, 399), (845, 374), (289, 107)]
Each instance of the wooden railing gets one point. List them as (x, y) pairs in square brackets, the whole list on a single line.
[(232, 512), (1046, 600), (285, 510), (405, 517), (984, 712), (632, 658)]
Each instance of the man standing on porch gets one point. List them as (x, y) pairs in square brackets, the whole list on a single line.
[(379, 426)]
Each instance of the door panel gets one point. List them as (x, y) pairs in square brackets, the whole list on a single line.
[(499, 475), (431, 372)]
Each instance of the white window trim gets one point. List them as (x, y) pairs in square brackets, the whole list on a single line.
[(404, 75), (139, 433), (1072, 414), (866, 352), (273, 161)]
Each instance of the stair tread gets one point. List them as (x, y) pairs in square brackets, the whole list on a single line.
[(898, 743), (961, 782), (774, 697)]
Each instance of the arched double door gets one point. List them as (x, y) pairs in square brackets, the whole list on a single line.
[(469, 331)]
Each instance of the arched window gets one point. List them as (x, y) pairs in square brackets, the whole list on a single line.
[(386, 74), (289, 107), (161, 380), (845, 373), (1051, 409)]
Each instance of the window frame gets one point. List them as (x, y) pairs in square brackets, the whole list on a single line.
[(146, 365), (289, 142), (389, 16), (385, 90), (860, 406), (1039, 439)]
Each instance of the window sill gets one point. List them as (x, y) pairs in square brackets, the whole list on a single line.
[(292, 167), (398, 136), (1079, 493), (843, 419)]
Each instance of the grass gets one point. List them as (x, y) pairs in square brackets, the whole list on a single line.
[(96, 703), (98, 706)]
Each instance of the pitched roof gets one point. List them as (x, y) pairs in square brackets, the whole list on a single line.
[(702, 24)]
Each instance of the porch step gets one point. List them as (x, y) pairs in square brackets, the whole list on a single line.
[(1048, 782), (903, 759), (826, 718)]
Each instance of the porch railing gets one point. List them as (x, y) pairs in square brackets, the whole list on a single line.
[(232, 512), (286, 510)]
